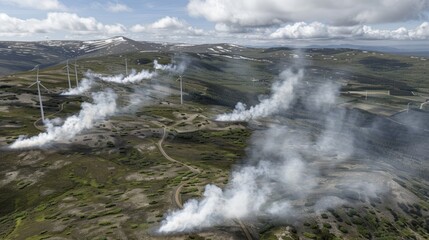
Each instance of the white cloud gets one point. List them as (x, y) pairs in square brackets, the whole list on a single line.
[(422, 31), (117, 7), (317, 30), (36, 4), (168, 25), (56, 22), (260, 13), (138, 28), (302, 30)]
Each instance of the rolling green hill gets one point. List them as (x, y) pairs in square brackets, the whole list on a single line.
[(120, 178)]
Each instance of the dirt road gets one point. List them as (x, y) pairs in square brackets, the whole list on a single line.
[(176, 193)]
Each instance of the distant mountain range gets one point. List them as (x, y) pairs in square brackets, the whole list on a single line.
[(22, 56), (18, 56), (416, 50)]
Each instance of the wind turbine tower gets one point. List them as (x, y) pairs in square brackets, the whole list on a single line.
[(75, 73), (181, 88), (126, 66), (38, 83), (68, 74)]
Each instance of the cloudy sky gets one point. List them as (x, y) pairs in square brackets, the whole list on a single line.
[(258, 22)]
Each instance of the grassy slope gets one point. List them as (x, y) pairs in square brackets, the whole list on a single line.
[(124, 186)]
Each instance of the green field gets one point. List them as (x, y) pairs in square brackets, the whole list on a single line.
[(112, 181)]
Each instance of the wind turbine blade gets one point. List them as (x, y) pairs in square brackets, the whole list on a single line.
[(32, 85), (44, 87), (35, 67)]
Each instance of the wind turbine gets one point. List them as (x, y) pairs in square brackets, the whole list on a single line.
[(68, 74), (38, 90), (181, 88), (75, 73), (126, 66)]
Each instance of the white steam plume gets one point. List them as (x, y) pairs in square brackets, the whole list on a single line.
[(174, 68), (280, 100), (84, 84), (133, 77), (90, 77), (263, 189), (281, 175), (104, 105)]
